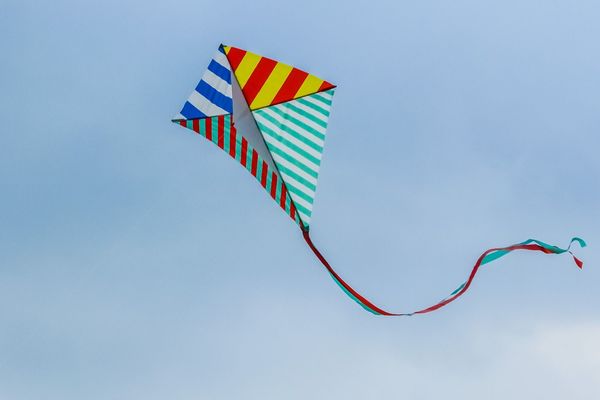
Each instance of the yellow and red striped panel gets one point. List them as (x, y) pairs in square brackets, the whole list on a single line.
[(266, 82)]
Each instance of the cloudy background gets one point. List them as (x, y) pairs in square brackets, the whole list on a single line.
[(139, 262)]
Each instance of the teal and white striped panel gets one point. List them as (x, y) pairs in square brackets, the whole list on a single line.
[(295, 134)]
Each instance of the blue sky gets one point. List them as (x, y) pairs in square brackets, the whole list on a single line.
[(139, 261)]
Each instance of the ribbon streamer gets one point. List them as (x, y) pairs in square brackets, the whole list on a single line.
[(485, 258)]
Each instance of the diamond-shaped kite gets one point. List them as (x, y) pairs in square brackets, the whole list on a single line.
[(272, 118)]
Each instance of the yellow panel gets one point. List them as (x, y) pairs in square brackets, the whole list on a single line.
[(270, 88), (246, 67), (311, 85), (226, 48)]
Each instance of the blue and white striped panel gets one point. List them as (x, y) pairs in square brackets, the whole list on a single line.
[(212, 96)]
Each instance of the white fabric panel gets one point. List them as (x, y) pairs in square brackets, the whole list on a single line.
[(245, 125)]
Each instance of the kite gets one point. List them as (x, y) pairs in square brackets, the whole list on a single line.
[(272, 119)]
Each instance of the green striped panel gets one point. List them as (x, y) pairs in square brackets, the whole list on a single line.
[(295, 132)]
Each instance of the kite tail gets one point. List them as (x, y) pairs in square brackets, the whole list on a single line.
[(485, 258)]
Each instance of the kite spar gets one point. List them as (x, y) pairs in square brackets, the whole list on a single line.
[(281, 114)]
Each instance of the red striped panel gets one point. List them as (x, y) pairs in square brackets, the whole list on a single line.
[(263, 178), (258, 78), (290, 87), (208, 128), (325, 86), (221, 135), (196, 125), (232, 143), (274, 185), (254, 162), (283, 196), (183, 123), (235, 57), (244, 151), (292, 210)]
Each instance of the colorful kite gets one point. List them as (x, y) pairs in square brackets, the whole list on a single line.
[(272, 118)]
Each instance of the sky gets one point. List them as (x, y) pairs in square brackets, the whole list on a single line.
[(139, 261)]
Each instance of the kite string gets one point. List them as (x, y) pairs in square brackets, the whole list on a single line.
[(486, 257)]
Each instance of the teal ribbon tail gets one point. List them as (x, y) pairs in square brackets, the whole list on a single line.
[(485, 258)]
